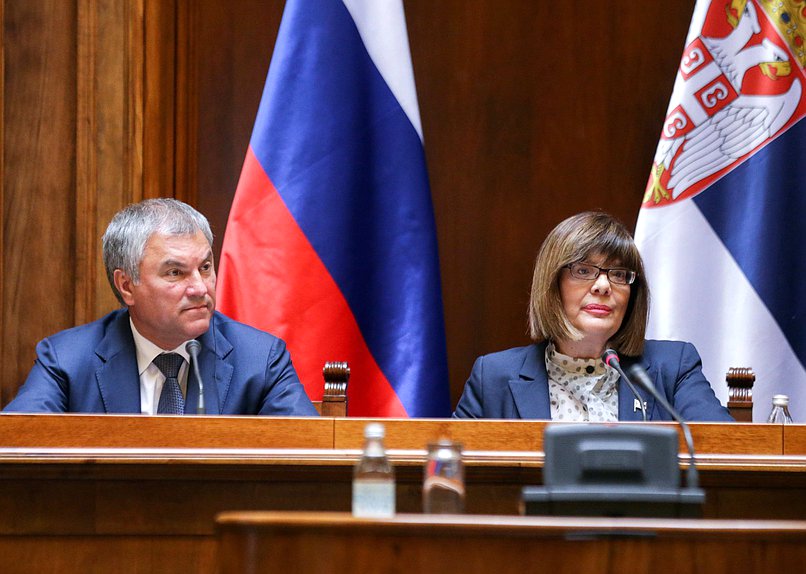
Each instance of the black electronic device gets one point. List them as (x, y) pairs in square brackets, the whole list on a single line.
[(612, 470)]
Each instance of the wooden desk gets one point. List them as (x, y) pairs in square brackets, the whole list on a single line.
[(137, 431), (333, 543), (83, 493)]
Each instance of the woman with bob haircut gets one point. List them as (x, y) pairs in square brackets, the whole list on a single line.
[(589, 294)]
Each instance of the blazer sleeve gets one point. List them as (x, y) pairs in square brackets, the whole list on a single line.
[(285, 395), (471, 403), (694, 398), (45, 389)]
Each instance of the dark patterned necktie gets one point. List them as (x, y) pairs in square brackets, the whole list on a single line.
[(171, 400)]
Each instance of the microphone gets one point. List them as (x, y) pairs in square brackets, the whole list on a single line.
[(640, 376), (193, 347), (610, 357)]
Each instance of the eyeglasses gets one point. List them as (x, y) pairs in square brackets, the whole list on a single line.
[(589, 272)]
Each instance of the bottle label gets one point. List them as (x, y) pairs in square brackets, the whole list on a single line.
[(373, 498)]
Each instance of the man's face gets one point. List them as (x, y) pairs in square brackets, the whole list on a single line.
[(175, 297)]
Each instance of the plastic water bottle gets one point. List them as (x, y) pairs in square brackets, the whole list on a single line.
[(443, 479), (780, 410), (374, 477)]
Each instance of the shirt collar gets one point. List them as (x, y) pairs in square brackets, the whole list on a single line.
[(574, 365), (147, 351), (563, 367)]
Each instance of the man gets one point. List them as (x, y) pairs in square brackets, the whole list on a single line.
[(159, 262)]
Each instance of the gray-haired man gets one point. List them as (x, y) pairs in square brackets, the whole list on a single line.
[(159, 262)]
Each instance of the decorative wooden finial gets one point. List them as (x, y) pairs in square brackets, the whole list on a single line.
[(334, 400), (740, 393)]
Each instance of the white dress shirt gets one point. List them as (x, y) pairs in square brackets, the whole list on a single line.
[(151, 378)]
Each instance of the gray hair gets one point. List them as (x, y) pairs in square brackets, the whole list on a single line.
[(126, 236)]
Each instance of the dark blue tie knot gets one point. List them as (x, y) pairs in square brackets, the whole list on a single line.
[(169, 364), (171, 400)]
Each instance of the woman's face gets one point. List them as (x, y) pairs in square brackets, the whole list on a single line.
[(595, 307)]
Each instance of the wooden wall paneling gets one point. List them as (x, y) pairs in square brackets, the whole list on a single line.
[(186, 106), (108, 137), (128, 99), (170, 147), (232, 45), (39, 174), (531, 112), (87, 254), (160, 93), (89, 126), (3, 391)]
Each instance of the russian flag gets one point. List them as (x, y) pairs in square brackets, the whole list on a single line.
[(722, 227), (331, 241)]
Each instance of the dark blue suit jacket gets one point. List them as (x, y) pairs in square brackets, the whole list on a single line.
[(513, 384), (93, 369)]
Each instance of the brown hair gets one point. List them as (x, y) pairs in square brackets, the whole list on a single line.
[(578, 237)]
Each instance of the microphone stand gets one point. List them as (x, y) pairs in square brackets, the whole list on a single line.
[(610, 357), (193, 347), (643, 380)]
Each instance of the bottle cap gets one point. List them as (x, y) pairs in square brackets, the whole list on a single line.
[(444, 450), (780, 400), (374, 430)]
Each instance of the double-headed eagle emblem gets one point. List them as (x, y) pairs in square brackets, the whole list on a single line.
[(733, 94)]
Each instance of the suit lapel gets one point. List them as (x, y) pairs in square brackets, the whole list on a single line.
[(214, 368), (530, 390), (627, 409), (117, 376)]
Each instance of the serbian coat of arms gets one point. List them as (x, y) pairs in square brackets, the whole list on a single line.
[(739, 86)]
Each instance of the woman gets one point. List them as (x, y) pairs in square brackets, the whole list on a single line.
[(589, 294)]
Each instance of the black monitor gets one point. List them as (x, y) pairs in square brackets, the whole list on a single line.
[(611, 470)]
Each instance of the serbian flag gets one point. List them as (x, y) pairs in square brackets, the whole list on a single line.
[(722, 227), (331, 243)]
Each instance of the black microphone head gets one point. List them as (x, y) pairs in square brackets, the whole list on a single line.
[(193, 347), (610, 355), (639, 376), (637, 369)]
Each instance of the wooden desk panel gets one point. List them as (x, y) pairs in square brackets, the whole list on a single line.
[(108, 554), (152, 487), (337, 543), (114, 491), (140, 431), (736, 438), (137, 431), (509, 435), (794, 439), (493, 435)]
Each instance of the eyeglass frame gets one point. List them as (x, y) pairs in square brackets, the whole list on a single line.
[(631, 275)]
